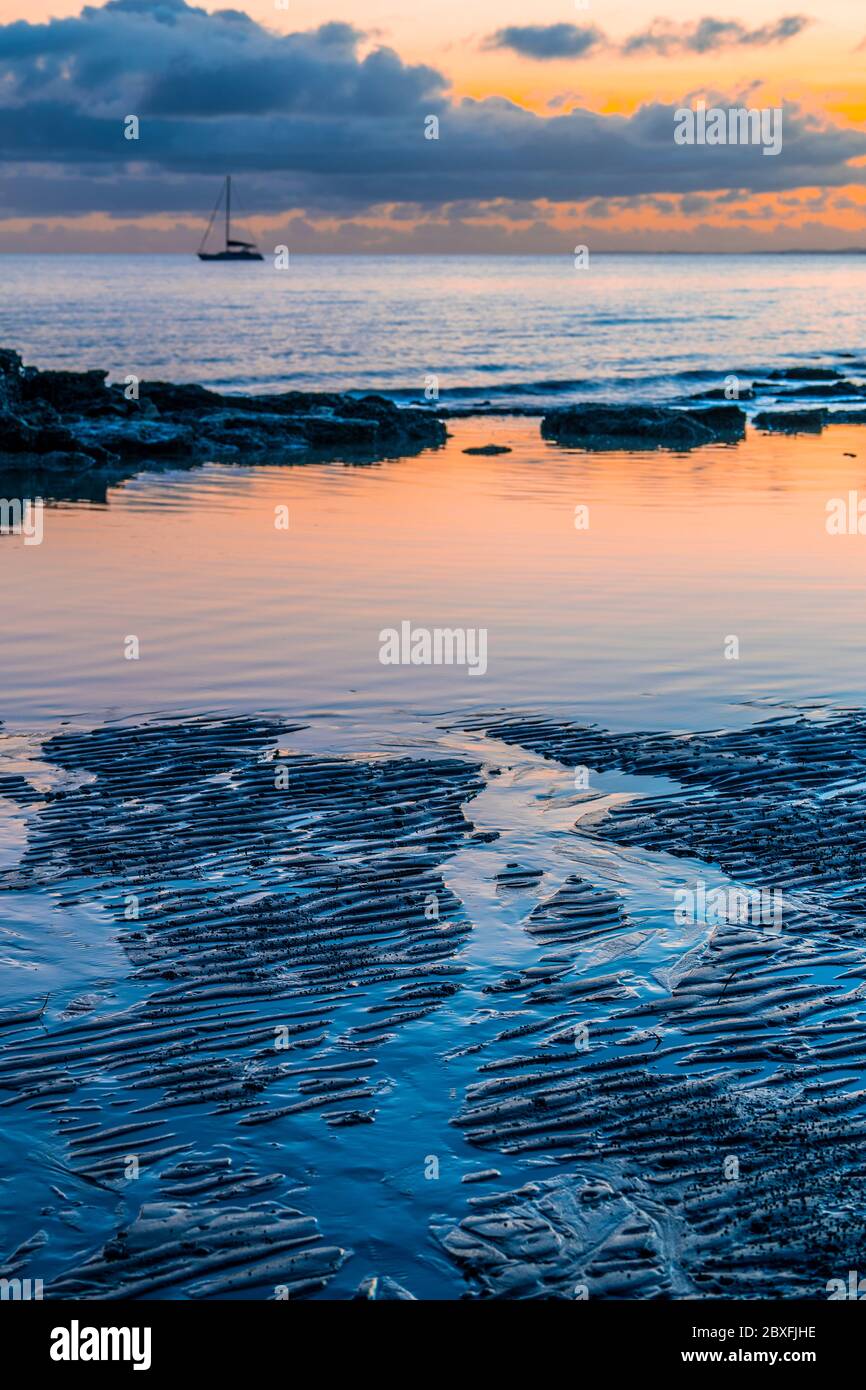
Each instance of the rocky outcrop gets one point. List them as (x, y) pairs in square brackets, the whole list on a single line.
[(806, 373), (134, 438), (78, 422), (791, 421), (643, 426)]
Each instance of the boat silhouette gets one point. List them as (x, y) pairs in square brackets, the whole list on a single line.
[(235, 250)]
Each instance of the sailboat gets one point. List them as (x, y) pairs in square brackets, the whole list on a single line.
[(235, 250)]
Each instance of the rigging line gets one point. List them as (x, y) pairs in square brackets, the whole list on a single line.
[(242, 218), (210, 224)]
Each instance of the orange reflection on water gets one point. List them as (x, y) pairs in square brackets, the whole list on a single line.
[(625, 620)]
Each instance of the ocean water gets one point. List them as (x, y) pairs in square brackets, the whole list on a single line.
[(508, 329), (626, 623)]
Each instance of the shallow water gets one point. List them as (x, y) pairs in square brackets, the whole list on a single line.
[(624, 622), (507, 328)]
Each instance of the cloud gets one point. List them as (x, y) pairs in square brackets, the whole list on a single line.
[(709, 35), (605, 230), (169, 58), (546, 41), (314, 123)]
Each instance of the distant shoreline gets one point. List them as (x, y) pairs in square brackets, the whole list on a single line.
[(467, 255)]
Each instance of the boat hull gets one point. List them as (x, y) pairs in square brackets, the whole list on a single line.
[(230, 256)]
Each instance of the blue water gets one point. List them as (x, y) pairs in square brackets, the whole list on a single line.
[(504, 328)]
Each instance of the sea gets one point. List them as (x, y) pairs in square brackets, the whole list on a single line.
[(504, 329)]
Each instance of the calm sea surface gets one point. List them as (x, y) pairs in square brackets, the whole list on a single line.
[(504, 328)]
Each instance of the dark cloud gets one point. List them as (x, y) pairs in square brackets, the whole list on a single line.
[(709, 35), (555, 41), (314, 122), (168, 58), (545, 41)]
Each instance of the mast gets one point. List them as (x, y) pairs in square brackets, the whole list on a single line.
[(228, 209)]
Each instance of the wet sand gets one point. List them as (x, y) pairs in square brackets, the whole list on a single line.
[(668, 1112)]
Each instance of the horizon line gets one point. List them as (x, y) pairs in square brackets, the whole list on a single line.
[(602, 251)]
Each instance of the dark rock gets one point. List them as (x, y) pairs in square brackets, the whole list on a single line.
[(136, 438), (468, 412), (488, 449), (16, 435), (791, 421), (65, 390), (643, 426), (323, 430), (11, 368), (805, 374), (44, 468), (852, 416), (52, 413), (172, 398), (235, 432), (823, 389), (321, 418), (42, 436)]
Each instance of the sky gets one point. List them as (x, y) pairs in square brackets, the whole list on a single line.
[(555, 124)]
